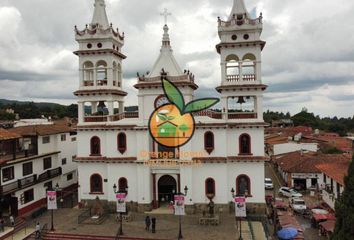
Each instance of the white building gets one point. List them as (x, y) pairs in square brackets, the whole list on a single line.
[(32, 159), (333, 179), (227, 149)]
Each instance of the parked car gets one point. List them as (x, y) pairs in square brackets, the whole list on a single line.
[(268, 183), (289, 192), (298, 205)]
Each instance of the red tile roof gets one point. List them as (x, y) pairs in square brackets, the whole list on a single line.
[(41, 130), (7, 135), (335, 170), (297, 162)]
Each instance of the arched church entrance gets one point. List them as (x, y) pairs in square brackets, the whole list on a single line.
[(167, 187)]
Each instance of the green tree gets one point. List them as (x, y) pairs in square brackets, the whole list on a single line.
[(344, 229)]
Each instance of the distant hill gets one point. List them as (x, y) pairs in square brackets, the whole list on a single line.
[(38, 104)]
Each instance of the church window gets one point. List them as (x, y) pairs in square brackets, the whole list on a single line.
[(246, 36), (245, 144), (99, 45), (249, 67), (232, 68), (88, 73), (209, 142), (101, 70), (210, 187), (122, 184), (243, 185), (95, 146), (122, 142), (96, 184), (234, 37), (89, 45)]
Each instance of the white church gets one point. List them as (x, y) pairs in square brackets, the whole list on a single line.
[(115, 147)]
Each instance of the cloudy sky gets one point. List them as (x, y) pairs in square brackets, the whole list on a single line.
[(308, 60)]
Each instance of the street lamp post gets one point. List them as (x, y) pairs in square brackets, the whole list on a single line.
[(233, 196), (120, 231), (180, 216), (50, 188)]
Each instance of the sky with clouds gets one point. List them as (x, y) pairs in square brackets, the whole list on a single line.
[(308, 60)]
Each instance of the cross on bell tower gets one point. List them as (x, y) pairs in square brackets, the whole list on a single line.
[(165, 14)]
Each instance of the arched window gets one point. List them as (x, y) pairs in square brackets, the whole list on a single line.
[(209, 142), (232, 68), (243, 185), (210, 188), (101, 73), (96, 184), (95, 146), (88, 71), (122, 142), (122, 184), (249, 67), (245, 144)]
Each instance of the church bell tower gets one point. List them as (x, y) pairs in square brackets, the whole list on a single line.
[(240, 50), (100, 67)]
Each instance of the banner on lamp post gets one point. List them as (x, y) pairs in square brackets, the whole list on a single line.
[(179, 205), (52, 200), (240, 207), (121, 205)]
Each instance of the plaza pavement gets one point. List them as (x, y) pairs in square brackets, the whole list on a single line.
[(65, 221)]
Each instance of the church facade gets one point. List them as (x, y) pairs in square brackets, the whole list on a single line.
[(115, 147)]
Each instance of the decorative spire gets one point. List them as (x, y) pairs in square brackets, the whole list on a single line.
[(100, 15), (238, 8), (166, 38)]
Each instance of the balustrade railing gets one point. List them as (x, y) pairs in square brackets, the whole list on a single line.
[(240, 79), (29, 181)]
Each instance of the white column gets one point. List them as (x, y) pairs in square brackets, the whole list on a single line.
[(95, 77), (223, 72), (259, 104), (110, 75), (258, 71), (121, 107), (81, 111), (110, 106), (224, 105), (93, 107), (241, 72)]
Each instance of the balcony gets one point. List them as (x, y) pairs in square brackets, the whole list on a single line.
[(29, 181), (246, 78), (242, 115), (12, 149), (111, 118), (231, 115)]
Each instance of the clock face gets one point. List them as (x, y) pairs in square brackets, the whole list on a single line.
[(161, 100)]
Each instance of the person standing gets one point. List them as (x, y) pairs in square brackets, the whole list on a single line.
[(12, 221), (153, 227), (147, 223), (38, 230)]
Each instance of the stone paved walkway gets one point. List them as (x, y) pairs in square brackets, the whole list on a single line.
[(65, 220)]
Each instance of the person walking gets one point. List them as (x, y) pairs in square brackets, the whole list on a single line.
[(153, 227), (12, 221), (38, 230), (147, 223)]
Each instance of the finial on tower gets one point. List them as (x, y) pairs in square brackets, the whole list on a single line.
[(100, 15), (165, 13), (238, 8)]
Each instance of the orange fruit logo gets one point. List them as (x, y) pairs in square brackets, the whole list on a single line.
[(172, 125)]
